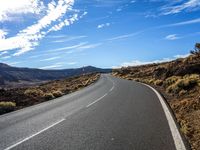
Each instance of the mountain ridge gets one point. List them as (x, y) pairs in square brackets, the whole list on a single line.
[(11, 76)]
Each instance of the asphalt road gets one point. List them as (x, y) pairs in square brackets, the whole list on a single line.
[(112, 114)]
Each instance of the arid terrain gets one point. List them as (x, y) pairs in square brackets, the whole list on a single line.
[(18, 98), (179, 82), (16, 77)]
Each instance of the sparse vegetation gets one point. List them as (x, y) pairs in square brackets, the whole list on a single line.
[(33, 92), (57, 93), (180, 84), (48, 96), (158, 82), (6, 106), (13, 99), (179, 81)]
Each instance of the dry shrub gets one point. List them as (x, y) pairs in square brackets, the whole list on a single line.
[(7, 107), (158, 82), (171, 80), (7, 104), (151, 81), (48, 96), (57, 93), (177, 84), (34, 92)]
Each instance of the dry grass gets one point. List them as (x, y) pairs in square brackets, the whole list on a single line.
[(57, 93), (179, 85), (6, 106)]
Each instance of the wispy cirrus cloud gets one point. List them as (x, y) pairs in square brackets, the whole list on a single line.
[(187, 22), (175, 8), (3, 53), (69, 47), (72, 63), (170, 7), (49, 59), (5, 57), (124, 36), (80, 46), (58, 65), (68, 38), (53, 20), (172, 37), (89, 46)]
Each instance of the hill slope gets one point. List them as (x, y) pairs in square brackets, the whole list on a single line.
[(179, 82), (13, 76), (18, 98)]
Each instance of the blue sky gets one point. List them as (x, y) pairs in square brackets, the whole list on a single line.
[(60, 34)]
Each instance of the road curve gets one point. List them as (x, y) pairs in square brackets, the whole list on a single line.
[(112, 114)]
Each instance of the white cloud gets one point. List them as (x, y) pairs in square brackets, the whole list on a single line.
[(77, 48), (5, 57), (181, 56), (172, 37), (138, 62), (3, 33), (89, 46), (3, 53), (49, 59), (124, 36), (190, 5), (13, 63), (69, 47), (68, 38), (54, 66), (29, 37), (8, 8), (193, 21), (72, 63), (66, 22), (103, 25)]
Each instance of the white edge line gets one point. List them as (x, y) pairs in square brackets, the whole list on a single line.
[(178, 141), (26, 139), (97, 100)]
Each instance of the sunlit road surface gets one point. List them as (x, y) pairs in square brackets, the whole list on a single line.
[(112, 114)]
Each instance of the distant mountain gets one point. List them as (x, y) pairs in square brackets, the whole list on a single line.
[(13, 76)]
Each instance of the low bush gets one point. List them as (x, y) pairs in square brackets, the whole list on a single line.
[(48, 96), (34, 92), (57, 93), (158, 82), (7, 107), (171, 80), (185, 83)]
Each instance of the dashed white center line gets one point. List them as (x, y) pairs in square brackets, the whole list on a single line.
[(103, 95), (97, 100), (26, 139), (111, 89)]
